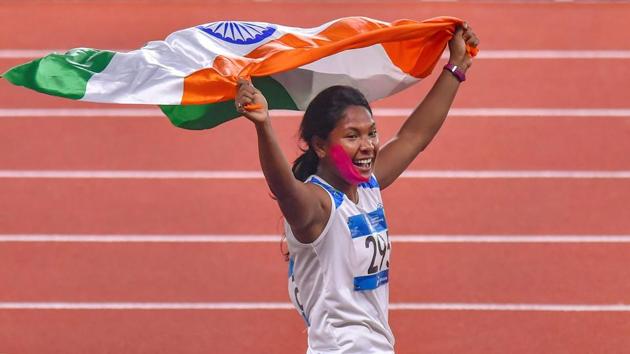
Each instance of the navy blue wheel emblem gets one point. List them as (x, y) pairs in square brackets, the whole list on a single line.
[(237, 32)]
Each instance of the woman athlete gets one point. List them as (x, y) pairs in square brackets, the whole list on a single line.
[(334, 219)]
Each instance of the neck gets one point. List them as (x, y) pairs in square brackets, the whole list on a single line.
[(340, 184)]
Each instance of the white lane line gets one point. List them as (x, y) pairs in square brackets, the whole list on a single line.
[(509, 112), (140, 238), (145, 306), (515, 174), (483, 54), (413, 306), (553, 54), (410, 174), (36, 53), (378, 112), (511, 239), (509, 307), (473, 239), (81, 112), (131, 174)]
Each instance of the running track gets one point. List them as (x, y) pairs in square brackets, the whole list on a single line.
[(531, 258)]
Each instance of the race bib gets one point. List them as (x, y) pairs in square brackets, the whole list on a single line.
[(372, 248)]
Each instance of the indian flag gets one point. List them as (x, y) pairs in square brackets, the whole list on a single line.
[(192, 74)]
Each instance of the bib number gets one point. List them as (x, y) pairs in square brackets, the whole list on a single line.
[(371, 249), (379, 248)]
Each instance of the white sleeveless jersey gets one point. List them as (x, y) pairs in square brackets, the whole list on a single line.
[(339, 283)]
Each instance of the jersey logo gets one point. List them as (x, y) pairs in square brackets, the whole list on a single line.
[(373, 281), (366, 224), (236, 32)]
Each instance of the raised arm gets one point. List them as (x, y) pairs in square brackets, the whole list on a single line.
[(425, 121), (305, 207)]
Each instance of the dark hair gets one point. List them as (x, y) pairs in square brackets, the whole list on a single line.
[(320, 118)]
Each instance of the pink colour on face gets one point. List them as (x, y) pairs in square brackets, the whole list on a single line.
[(345, 166)]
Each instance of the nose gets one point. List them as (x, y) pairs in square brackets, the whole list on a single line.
[(367, 144)]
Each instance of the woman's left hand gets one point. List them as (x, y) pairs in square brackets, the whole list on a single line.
[(464, 36), (248, 95)]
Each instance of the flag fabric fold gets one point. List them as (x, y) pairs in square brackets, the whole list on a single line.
[(192, 74)]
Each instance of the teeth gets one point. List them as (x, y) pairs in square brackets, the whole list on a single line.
[(365, 163)]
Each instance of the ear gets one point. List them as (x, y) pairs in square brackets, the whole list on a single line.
[(319, 146)]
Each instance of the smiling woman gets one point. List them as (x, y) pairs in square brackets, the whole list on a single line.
[(342, 115), (335, 223)]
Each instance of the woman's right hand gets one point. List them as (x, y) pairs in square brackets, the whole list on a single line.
[(463, 37), (247, 94)]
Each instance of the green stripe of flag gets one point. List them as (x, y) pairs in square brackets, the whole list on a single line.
[(206, 116), (64, 75)]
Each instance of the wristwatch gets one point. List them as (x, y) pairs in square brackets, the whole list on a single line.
[(453, 69)]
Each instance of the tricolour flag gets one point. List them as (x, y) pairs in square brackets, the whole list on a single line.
[(192, 74)]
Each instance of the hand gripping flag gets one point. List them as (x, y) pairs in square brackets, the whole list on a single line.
[(192, 74)]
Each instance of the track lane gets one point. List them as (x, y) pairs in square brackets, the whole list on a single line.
[(256, 272), (427, 206), (464, 143), (152, 332), (500, 25), (543, 332), (510, 332), (282, 332), (534, 83)]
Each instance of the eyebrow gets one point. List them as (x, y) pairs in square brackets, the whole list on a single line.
[(372, 126)]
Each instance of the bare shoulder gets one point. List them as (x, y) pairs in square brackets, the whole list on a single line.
[(322, 205)]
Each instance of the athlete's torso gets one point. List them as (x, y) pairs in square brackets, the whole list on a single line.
[(339, 283)]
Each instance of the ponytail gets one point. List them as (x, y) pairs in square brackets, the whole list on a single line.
[(305, 165)]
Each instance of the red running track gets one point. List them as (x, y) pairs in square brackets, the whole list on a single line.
[(425, 273), (429, 206), (538, 273), (116, 24), (465, 143), (278, 332)]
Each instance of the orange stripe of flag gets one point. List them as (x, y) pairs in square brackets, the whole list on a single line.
[(413, 47)]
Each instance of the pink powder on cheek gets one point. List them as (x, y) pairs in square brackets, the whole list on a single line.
[(345, 166)]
